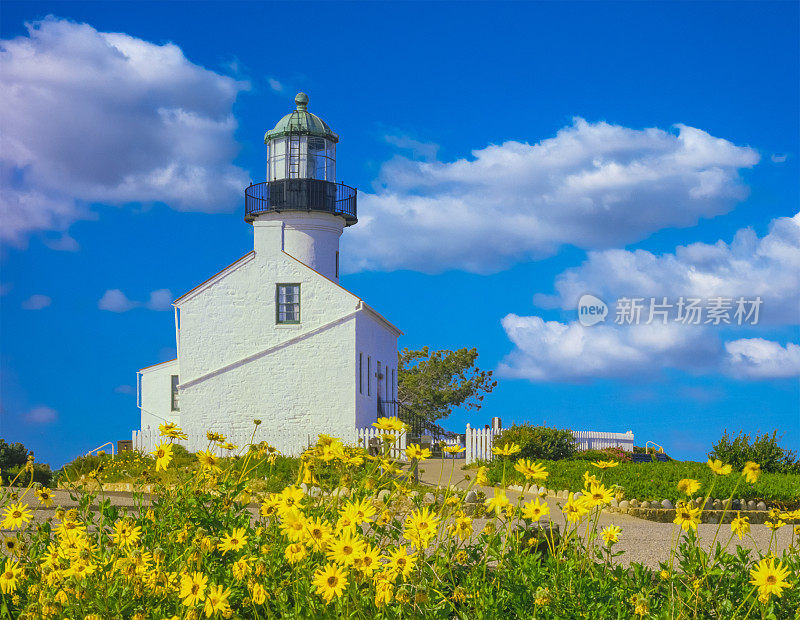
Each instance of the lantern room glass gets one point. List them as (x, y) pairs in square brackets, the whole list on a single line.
[(301, 157)]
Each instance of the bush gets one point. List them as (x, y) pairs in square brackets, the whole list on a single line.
[(13, 457), (539, 442), (762, 449), (612, 454)]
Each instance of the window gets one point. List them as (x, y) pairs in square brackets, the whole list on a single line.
[(360, 373), (175, 406), (378, 377), (393, 384), (369, 376), (287, 303)]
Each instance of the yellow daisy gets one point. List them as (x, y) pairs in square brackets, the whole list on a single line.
[(535, 510), (686, 516), (233, 541), (415, 452), (295, 552), (751, 471), (8, 578), (345, 548), (531, 470), (389, 424), (740, 525), (497, 503), (330, 582), (719, 468), (769, 578), (506, 450), (15, 516), (217, 601), (610, 534), (605, 464), (193, 588), (689, 486)]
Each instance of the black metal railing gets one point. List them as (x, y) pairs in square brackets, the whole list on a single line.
[(418, 426), (301, 195)]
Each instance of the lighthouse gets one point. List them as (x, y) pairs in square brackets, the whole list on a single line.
[(274, 336), (301, 206)]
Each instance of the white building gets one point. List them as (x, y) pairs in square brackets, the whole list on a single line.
[(273, 336)]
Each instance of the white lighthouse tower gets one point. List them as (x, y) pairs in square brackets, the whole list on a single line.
[(300, 205), (273, 336)]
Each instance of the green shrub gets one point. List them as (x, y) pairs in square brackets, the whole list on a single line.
[(13, 458), (539, 442), (606, 454), (762, 449)]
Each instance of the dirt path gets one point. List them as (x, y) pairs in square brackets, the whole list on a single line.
[(642, 541)]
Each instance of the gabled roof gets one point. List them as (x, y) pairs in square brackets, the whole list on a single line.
[(217, 276), (175, 359)]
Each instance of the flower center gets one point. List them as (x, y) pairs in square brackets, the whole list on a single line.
[(771, 579), (332, 581), (347, 550)]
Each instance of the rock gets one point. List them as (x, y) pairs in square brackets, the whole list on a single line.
[(383, 495), (614, 503), (413, 495), (429, 498), (761, 506), (314, 492), (634, 503), (471, 497), (751, 505), (304, 487), (624, 504), (718, 505), (666, 504), (469, 509), (577, 494)]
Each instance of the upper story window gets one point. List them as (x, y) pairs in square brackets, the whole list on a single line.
[(175, 403), (287, 303)]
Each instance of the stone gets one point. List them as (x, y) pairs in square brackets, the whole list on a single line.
[(314, 492), (383, 495), (304, 487), (471, 497), (634, 503), (761, 506), (577, 494), (718, 505), (429, 498), (666, 504), (624, 504), (413, 495), (614, 503), (751, 505)]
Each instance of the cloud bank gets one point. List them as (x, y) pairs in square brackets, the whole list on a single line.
[(593, 185), (98, 117)]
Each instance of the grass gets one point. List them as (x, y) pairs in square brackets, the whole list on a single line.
[(657, 481)]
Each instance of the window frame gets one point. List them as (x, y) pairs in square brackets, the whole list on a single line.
[(360, 373), (278, 304), (174, 382)]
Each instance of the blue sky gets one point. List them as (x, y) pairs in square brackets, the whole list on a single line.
[(508, 157)]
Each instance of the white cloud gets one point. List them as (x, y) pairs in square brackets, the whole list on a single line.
[(570, 352), (125, 389), (275, 85), (778, 159), (41, 415), (749, 266), (114, 300), (102, 117), (424, 150), (593, 185), (160, 300), (36, 302)]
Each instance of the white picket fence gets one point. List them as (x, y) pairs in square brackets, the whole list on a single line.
[(480, 441), (287, 441)]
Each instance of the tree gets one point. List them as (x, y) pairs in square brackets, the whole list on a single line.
[(431, 384)]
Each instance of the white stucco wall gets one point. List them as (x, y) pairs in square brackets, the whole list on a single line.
[(156, 394), (374, 343)]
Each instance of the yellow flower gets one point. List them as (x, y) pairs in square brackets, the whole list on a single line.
[(345, 548), (368, 560), (454, 449), (718, 468), (240, 569), (574, 509), (751, 471), (599, 495), (291, 497), (415, 452), (193, 588), (610, 534), (686, 516), (506, 450), (126, 534), (233, 541), (389, 424), (589, 480), (384, 589), (689, 486), (216, 437), (421, 526), (330, 582), (740, 525), (664, 574), (769, 578), (208, 460), (16, 515), (270, 506), (317, 533), (775, 525), (171, 430), (8, 578), (293, 525), (531, 470), (45, 496), (605, 464), (295, 552), (217, 601), (461, 527), (497, 503), (401, 562), (163, 454), (480, 477), (258, 594), (535, 510)]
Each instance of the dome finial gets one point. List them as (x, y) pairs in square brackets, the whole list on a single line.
[(301, 99)]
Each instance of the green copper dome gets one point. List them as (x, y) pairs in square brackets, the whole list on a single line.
[(302, 122)]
